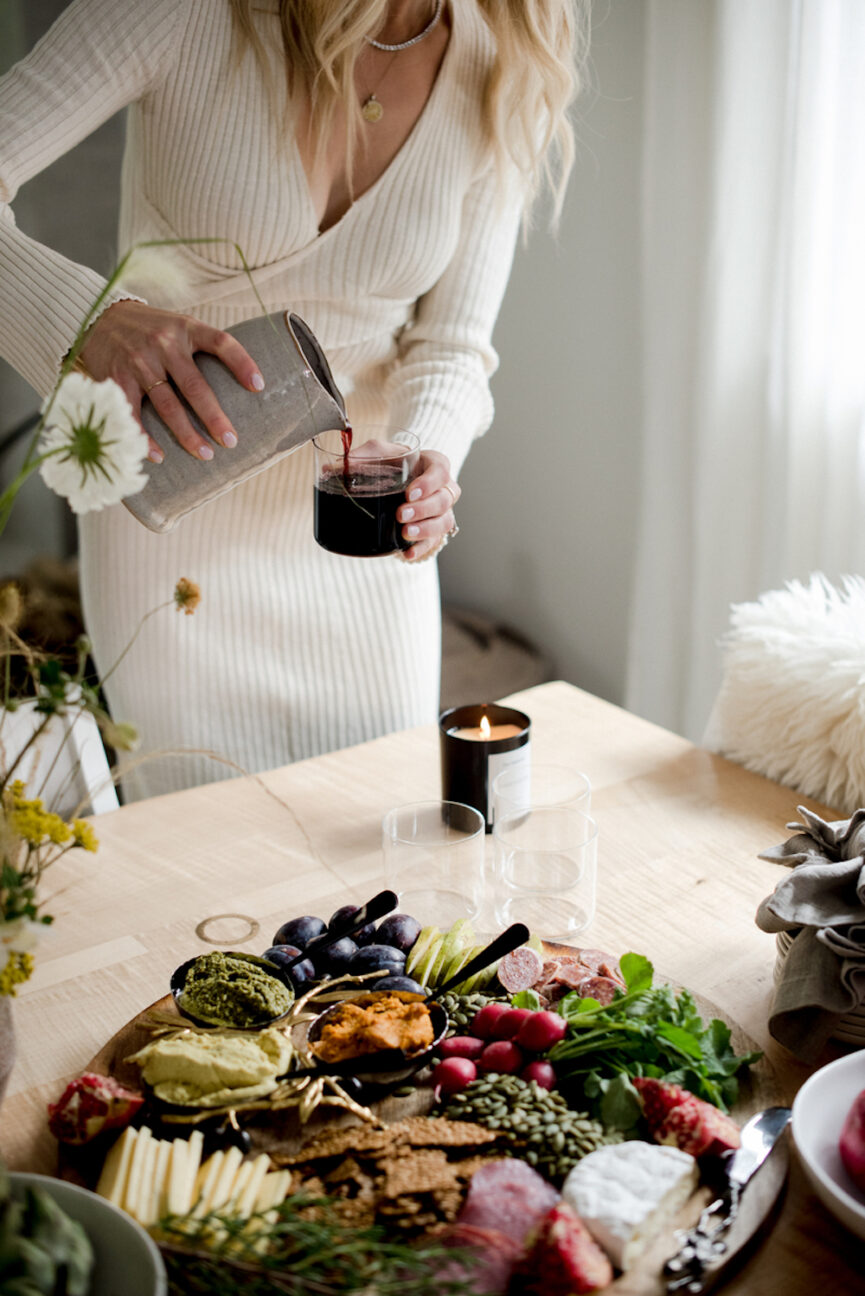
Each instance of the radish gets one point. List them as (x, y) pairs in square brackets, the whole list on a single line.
[(463, 1046), (485, 1020), (541, 1031), (454, 1074), (852, 1142), (502, 1056), (509, 1023), (542, 1073)]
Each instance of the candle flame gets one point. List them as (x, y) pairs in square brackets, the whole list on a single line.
[(485, 728)]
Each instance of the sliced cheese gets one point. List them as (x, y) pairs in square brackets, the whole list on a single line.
[(141, 1202), (249, 1196), (115, 1171), (195, 1147), (205, 1183), (274, 1190), (177, 1190), (156, 1206), (223, 1189), (137, 1169), (627, 1193)]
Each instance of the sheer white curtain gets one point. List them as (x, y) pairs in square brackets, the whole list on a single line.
[(754, 325)]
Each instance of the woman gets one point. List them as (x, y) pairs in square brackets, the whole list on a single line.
[(371, 158)]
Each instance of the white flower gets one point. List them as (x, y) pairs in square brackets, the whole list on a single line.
[(94, 446), (19, 937)]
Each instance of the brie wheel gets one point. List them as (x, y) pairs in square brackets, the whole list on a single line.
[(627, 1193)]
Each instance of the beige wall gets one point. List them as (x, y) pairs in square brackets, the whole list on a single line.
[(548, 512)]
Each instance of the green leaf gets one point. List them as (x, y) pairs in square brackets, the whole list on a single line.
[(637, 971), (683, 1041), (527, 999), (621, 1107)]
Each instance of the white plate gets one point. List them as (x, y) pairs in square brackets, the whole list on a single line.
[(819, 1111), (127, 1260)]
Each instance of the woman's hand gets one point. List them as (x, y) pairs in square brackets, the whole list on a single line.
[(428, 514), (142, 347)]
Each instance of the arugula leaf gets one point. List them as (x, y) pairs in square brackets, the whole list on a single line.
[(620, 1105), (645, 1031), (526, 999), (637, 971)]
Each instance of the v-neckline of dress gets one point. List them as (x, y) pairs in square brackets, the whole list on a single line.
[(396, 161)]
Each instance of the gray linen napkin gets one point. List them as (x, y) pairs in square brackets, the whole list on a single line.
[(822, 902)]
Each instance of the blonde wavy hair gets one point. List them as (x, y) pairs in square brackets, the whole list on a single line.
[(541, 53)]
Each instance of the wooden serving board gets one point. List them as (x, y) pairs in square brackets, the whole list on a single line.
[(281, 1132)]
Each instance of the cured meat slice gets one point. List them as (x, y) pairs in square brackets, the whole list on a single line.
[(495, 1255), (510, 1196), (564, 1258), (602, 988), (520, 969)]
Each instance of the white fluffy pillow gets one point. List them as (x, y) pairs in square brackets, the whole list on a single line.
[(792, 698)]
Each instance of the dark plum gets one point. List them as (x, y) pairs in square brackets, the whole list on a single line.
[(399, 983), (377, 958), (281, 955), (336, 958), (342, 918), (399, 930), (300, 931)]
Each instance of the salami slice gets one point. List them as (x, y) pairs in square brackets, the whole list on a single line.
[(510, 1196), (598, 987), (520, 969)]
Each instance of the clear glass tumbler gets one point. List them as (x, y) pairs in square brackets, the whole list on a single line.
[(434, 860), (546, 863), (540, 785), (361, 477)]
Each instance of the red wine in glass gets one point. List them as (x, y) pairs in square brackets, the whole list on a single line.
[(355, 512)]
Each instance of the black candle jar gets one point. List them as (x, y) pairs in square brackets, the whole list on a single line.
[(471, 761)]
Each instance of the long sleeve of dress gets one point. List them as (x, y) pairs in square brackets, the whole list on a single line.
[(97, 58), (439, 387)]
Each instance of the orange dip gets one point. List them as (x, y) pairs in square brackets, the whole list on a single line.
[(358, 1027)]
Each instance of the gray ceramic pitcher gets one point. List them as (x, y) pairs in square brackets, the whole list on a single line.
[(299, 400)]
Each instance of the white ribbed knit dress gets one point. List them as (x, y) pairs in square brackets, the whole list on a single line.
[(294, 651)]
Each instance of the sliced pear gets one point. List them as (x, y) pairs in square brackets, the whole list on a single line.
[(422, 970), (426, 939), (455, 941), (467, 987)]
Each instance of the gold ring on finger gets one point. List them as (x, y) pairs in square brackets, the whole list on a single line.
[(158, 383), (451, 492)]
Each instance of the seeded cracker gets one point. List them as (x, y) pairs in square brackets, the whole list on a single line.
[(411, 1175)]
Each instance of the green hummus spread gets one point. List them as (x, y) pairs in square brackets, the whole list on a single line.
[(225, 990), (198, 1070)]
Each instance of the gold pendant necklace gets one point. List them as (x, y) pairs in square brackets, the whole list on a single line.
[(371, 110)]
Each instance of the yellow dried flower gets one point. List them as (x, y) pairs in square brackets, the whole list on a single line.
[(34, 823), (10, 605), (19, 968), (187, 595), (84, 835)]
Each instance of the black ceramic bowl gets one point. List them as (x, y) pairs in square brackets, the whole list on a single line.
[(388, 1064), (178, 982)]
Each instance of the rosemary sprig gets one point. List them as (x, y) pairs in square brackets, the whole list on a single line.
[(300, 1248)]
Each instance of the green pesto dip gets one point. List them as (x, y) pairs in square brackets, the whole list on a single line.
[(227, 990)]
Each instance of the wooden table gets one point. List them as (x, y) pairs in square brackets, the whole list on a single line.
[(679, 880)]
